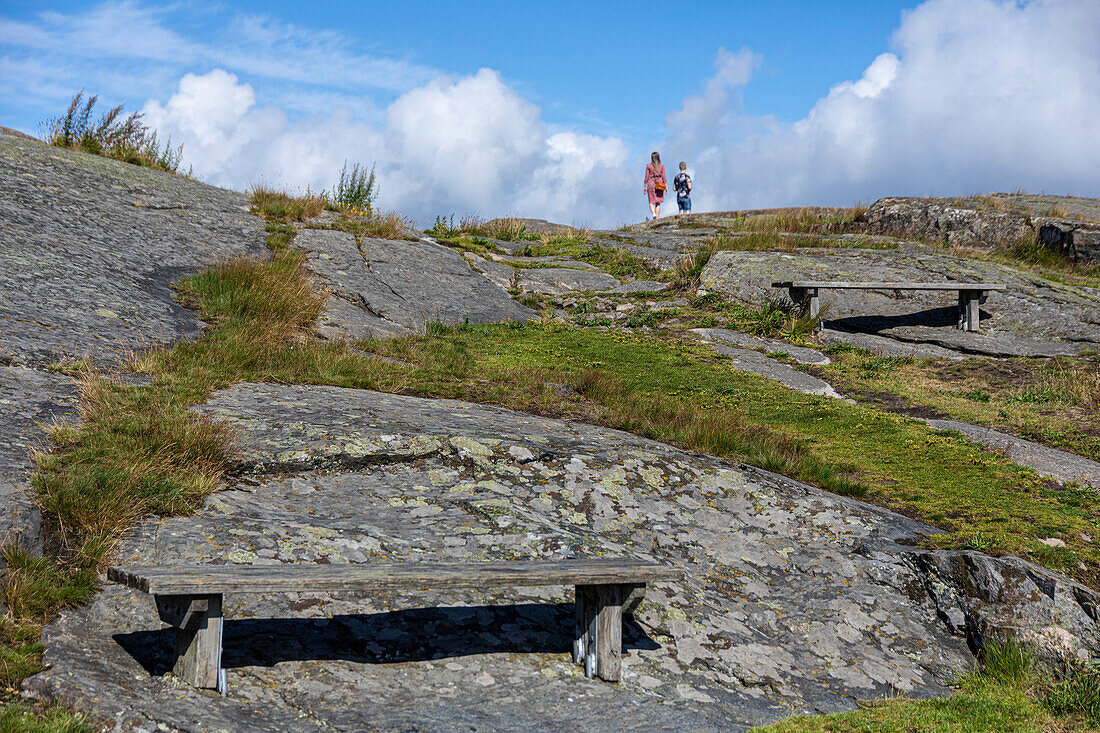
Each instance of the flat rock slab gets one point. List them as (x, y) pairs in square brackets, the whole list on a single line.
[(91, 245), (558, 280), (497, 272), (396, 287), (30, 400), (1033, 317), (884, 346), (801, 354), (793, 600), (753, 362), (639, 286), (1046, 461)]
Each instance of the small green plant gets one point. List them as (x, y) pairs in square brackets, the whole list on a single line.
[(112, 136), (689, 271), (444, 227), (1075, 691), (978, 395), (356, 190)]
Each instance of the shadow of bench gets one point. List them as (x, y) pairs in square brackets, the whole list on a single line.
[(189, 598)]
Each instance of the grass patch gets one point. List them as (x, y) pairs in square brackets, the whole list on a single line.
[(112, 136), (1028, 254), (1051, 401), (1008, 693), (279, 205), (507, 229), (390, 225), (20, 717), (797, 220)]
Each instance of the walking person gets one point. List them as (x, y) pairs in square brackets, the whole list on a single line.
[(655, 184), (682, 184)]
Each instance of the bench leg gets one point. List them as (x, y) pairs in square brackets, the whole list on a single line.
[(807, 299), (598, 640), (198, 644), (969, 312)]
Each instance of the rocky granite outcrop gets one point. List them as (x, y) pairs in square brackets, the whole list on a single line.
[(30, 400), (383, 287), (794, 599), (91, 245), (1075, 240), (1065, 224), (953, 221), (88, 249)]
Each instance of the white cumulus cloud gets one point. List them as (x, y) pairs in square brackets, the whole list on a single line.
[(470, 144), (973, 95), (977, 95)]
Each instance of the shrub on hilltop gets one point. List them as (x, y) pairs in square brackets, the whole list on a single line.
[(112, 135)]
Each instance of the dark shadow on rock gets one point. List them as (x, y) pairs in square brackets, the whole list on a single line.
[(948, 316), (383, 638)]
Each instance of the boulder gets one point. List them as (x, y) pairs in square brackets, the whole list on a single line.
[(952, 221), (1078, 241)]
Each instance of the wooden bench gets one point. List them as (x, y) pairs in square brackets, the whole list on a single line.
[(971, 295), (189, 598)]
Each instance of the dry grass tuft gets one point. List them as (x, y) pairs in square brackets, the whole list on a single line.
[(390, 225), (113, 136), (272, 203)]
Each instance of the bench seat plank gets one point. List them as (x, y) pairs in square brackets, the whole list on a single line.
[(884, 285), (205, 579)]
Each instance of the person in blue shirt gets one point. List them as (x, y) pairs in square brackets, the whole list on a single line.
[(682, 183)]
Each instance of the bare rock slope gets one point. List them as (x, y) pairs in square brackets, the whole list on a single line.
[(795, 600)]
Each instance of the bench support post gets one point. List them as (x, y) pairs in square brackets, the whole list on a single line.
[(598, 639), (198, 647), (969, 312), (806, 298)]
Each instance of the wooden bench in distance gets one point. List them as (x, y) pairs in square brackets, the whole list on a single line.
[(971, 295), (189, 598)]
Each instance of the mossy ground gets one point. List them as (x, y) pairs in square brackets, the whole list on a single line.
[(1051, 401)]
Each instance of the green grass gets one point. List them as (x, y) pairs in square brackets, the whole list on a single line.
[(1051, 401), (112, 136), (20, 717), (1009, 693)]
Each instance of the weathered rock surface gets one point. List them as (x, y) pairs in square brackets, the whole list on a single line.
[(886, 346), (90, 246), (950, 220), (29, 401), (801, 354), (383, 287), (794, 599), (560, 280), (753, 362), (639, 286), (1078, 241), (1067, 224), (1034, 317)]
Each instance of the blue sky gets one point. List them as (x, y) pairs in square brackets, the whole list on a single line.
[(552, 108)]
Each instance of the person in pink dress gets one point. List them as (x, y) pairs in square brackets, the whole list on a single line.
[(655, 184)]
